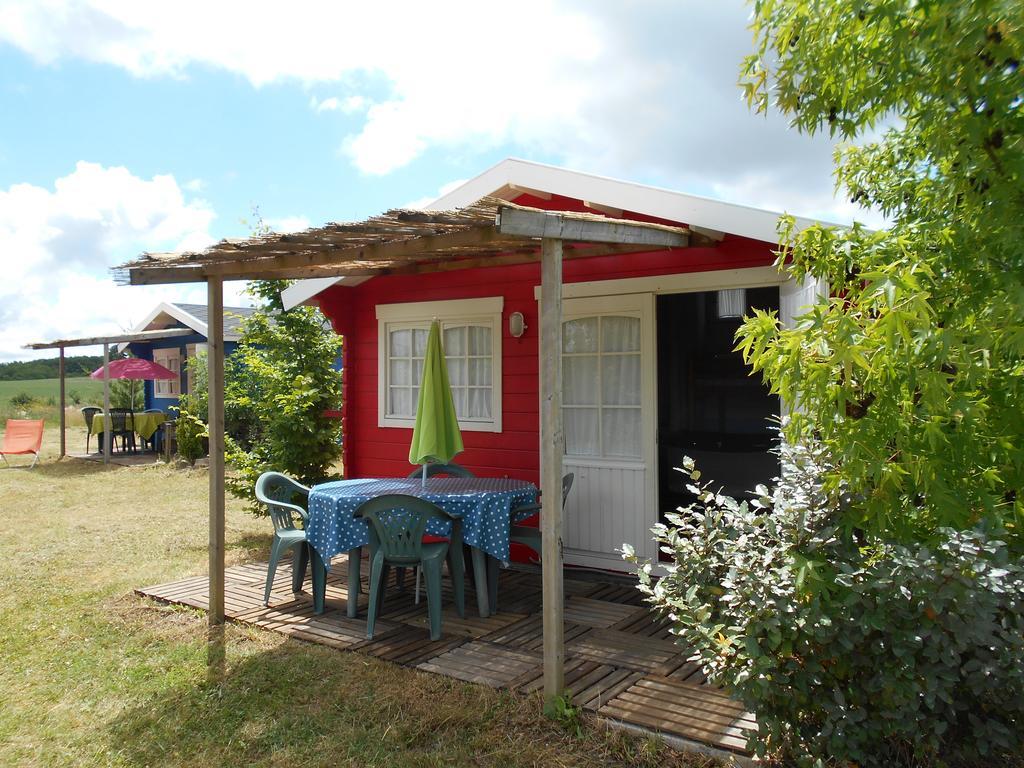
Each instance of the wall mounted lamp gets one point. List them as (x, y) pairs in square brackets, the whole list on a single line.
[(516, 324)]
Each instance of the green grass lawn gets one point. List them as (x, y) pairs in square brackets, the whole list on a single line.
[(92, 675)]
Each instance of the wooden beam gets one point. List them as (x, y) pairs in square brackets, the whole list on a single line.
[(410, 249), (712, 235), (63, 416), (615, 213), (108, 438), (550, 224), (514, 259), (552, 446), (538, 193), (93, 341), (215, 362)]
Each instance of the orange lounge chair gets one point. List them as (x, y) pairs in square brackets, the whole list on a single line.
[(22, 436)]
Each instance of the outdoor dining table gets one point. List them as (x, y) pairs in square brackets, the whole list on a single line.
[(144, 424), (483, 505)]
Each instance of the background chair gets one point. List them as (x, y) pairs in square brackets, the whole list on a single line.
[(22, 436), (280, 493), (88, 413), (527, 535), (122, 425), (397, 526), (156, 439), (451, 470)]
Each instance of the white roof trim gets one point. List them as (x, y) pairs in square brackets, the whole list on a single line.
[(179, 314), (303, 291), (703, 212), (511, 177)]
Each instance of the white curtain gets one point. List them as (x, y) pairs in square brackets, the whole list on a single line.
[(601, 386), (467, 351)]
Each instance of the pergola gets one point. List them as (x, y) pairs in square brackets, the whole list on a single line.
[(106, 341), (488, 233)]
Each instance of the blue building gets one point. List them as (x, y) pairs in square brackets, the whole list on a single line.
[(173, 353)]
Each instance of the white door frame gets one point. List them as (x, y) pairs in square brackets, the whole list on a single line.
[(641, 305), (604, 294)]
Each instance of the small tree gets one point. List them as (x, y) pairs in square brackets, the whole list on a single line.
[(279, 382), (191, 429), (912, 373)]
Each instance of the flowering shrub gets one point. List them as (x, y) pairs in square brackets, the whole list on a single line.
[(849, 649)]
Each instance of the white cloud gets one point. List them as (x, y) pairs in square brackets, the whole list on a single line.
[(330, 104), (348, 105), (194, 185), (644, 90), (57, 245), (287, 224)]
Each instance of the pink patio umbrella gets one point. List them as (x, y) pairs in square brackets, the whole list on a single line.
[(134, 368)]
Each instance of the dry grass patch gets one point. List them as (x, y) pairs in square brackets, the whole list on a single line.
[(93, 675)]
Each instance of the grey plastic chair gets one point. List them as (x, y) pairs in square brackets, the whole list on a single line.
[(279, 492), (527, 535), (452, 470)]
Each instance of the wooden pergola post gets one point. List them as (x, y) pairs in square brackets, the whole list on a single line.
[(215, 362), (63, 425), (107, 425), (551, 450)]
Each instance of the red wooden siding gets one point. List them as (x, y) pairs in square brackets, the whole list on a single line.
[(372, 451)]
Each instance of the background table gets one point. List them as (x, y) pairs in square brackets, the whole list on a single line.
[(144, 424), (483, 504)]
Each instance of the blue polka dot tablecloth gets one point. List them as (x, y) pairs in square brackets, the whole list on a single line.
[(485, 505)]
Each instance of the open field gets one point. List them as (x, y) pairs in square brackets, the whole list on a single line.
[(90, 390), (92, 675)]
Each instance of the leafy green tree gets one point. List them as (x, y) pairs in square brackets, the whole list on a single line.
[(126, 393), (912, 372), (278, 384)]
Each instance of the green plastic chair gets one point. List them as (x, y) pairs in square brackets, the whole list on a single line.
[(527, 535), (397, 526), (279, 492), (433, 470)]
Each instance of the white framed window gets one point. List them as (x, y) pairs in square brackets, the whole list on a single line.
[(471, 331), (601, 372), (171, 360)]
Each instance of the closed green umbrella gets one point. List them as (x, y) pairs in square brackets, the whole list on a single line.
[(436, 437)]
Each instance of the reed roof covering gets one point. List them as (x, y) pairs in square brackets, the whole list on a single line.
[(398, 241)]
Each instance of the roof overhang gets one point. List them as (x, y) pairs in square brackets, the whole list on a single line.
[(511, 178), (486, 233), (92, 341)]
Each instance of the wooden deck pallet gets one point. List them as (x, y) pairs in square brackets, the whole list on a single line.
[(692, 711), (596, 613), (487, 663), (621, 649), (590, 684), (621, 660)]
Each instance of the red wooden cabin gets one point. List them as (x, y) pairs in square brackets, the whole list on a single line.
[(649, 371)]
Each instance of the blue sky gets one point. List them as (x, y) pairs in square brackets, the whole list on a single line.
[(134, 126)]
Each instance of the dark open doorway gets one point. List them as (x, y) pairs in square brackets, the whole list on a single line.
[(709, 406)]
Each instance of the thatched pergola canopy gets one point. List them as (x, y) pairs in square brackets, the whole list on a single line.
[(491, 232)]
